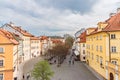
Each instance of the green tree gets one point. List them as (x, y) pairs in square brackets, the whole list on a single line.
[(69, 41), (42, 71)]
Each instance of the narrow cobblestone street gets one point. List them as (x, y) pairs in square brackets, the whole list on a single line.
[(76, 71)]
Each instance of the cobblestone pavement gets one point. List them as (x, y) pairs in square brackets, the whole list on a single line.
[(76, 71)]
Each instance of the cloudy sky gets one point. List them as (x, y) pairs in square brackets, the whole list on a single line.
[(56, 17)]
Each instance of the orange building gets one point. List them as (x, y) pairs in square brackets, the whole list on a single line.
[(7, 46)]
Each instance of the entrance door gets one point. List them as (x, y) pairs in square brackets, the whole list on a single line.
[(15, 78), (111, 76)]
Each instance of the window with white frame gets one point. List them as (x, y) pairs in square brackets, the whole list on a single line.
[(101, 61), (97, 48), (1, 76), (92, 56), (96, 37), (100, 48), (83, 45), (113, 49), (100, 37), (113, 36), (1, 49), (114, 61), (1, 62), (97, 58)]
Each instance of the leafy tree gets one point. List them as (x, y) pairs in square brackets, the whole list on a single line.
[(42, 71), (69, 41)]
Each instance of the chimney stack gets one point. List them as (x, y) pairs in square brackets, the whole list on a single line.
[(11, 23), (118, 10), (112, 14)]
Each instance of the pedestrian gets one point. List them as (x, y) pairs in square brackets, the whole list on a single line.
[(73, 59), (69, 62)]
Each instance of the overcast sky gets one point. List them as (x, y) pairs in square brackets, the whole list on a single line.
[(56, 17)]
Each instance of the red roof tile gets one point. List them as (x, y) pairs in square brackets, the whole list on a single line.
[(19, 29), (9, 36), (113, 23), (83, 37), (43, 38)]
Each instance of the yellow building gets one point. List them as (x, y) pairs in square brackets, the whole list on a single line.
[(103, 49), (7, 52)]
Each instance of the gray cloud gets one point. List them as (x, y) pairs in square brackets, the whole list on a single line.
[(55, 17), (82, 6)]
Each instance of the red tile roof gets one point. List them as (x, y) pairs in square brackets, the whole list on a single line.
[(19, 29), (43, 38), (9, 36), (83, 37), (113, 23), (34, 38)]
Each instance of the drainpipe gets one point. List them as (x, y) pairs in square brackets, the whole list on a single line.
[(109, 46)]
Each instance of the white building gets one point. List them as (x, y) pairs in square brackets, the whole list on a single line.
[(35, 47), (83, 46), (24, 35)]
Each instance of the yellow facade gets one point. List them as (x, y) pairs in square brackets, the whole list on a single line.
[(99, 49), (114, 65), (97, 52), (6, 54)]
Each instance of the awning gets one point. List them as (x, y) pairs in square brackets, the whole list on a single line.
[(76, 52)]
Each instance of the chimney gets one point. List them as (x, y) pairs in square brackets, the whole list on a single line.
[(118, 10), (11, 23), (112, 14)]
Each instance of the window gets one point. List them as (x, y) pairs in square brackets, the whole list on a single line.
[(1, 62), (97, 58), (92, 47), (112, 36), (100, 37), (83, 51), (100, 48), (113, 49), (1, 50), (1, 76), (83, 45), (92, 56), (97, 48), (114, 62), (96, 37), (101, 62)]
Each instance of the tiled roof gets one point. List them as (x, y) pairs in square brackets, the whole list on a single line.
[(19, 29), (9, 36), (43, 38), (83, 37), (113, 23), (34, 38)]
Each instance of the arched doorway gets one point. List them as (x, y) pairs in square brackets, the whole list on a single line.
[(111, 76)]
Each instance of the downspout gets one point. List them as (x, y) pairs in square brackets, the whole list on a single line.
[(109, 46)]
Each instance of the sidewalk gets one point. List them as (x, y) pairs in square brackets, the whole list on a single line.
[(94, 72)]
